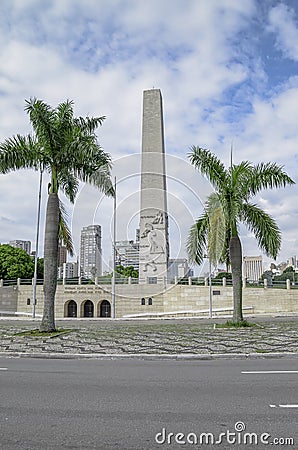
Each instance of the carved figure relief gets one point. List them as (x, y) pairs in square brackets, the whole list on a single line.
[(148, 228), (158, 218), (150, 264), (154, 246)]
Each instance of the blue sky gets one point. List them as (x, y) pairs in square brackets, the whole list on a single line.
[(228, 72)]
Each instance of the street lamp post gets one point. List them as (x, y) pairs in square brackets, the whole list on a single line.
[(114, 256), (210, 287), (210, 290)]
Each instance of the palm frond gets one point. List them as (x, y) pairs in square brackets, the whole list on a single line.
[(240, 175), (19, 152), (68, 183), (217, 229), (93, 165), (64, 231), (196, 245), (42, 117), (63, 116), (264, 228), (101, 178), (225, 258), (64, 111), (268, 175), (210, 166), (89, 124)]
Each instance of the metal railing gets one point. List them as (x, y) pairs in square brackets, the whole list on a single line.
[(191, 281)]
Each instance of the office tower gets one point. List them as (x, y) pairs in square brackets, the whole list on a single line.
[(90, 252)]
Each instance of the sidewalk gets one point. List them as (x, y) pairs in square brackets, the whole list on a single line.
[(177, 338)]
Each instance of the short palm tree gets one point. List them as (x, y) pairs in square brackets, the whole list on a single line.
[(67, 148), (216, 231)]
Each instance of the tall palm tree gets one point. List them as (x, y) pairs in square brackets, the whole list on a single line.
[(67, 148), (230, 205)]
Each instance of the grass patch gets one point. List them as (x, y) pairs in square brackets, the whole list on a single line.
[(232, 324), (37, 333)]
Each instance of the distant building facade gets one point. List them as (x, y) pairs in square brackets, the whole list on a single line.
[(127, 254), (292, 261), (62, 254), (252, 267), (90, 252), (178, 268), (25, 245), (68, 270)]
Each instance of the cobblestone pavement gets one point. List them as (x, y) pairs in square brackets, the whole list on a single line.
[(190, 337)]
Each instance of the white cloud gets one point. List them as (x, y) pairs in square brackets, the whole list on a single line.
[(282, 21), (205, 57)]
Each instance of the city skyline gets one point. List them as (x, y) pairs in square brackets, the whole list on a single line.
[(127, 254), (235, 87)]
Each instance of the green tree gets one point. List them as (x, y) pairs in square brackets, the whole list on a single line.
[(127, 271), (222, 275), (289, 269), (67, 148), (15, 263), (40, 268), (234, 187), (288, 274)]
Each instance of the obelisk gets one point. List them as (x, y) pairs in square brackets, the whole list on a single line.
[(154, 242)]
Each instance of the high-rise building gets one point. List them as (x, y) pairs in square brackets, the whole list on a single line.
[(90, 252), (62, 254), (25, 245), (127, 254), (154, 242), (252, 267)]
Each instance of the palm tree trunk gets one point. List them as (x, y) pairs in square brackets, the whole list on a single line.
[(236, 266), (50, 262)]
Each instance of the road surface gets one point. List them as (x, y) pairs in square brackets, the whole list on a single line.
[(137, 404)]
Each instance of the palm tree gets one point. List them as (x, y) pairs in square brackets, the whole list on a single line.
[(229, 206), (67, 148)]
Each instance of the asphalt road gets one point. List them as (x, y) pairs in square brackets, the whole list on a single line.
[(136, 404)]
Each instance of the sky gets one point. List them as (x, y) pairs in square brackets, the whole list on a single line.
[(228, 73)]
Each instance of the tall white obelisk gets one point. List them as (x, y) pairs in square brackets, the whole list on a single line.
[(154, 242)]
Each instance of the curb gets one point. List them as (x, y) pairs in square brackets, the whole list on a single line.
[(150, 356)]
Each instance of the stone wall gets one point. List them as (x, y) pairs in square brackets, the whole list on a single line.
[(8, 300), (176, 300)]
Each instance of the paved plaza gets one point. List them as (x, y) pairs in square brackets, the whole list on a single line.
[(151, 338)]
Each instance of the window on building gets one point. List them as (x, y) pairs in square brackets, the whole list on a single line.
[(143, 301), (149, 301)]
